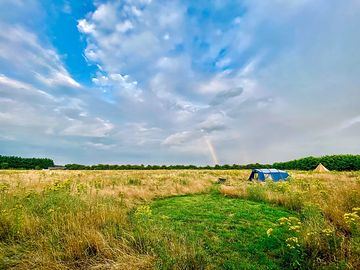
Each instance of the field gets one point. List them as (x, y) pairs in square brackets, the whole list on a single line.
[(178, 219)]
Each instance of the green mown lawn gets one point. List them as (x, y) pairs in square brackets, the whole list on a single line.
[(231, 232)]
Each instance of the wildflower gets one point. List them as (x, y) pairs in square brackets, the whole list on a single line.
[(294, 220), (351, 217), (143, 211), (283, 220), (292, 242), (328, 231), (269, 232), (295, 228), (291, 221)]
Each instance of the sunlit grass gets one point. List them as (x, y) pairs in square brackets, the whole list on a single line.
[(229, 233), (328, 204), (88, 220), (79, 219)]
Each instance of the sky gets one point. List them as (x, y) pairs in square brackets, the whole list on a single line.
[(179, 82)]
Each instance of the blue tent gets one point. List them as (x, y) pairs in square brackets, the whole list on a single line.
[(263, 174)]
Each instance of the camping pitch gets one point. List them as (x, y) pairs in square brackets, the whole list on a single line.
[(263, 174)]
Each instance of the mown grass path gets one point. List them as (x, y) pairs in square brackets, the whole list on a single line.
[(232, 232)]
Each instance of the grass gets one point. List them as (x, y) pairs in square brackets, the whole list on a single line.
[(231, 233), (175, 220), (329, 207)]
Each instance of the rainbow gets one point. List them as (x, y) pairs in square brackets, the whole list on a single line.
[(211, 150)]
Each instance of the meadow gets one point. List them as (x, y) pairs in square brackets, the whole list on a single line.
[(178, 219)]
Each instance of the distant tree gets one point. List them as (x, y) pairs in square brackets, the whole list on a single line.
[(333, 162), (25, 163), (4, 165)]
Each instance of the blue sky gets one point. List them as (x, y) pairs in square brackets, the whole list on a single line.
[(168, 82)]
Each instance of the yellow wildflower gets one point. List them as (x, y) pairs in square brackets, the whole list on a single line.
[(283, 220), (295, 228), (292, 242), (351, 217), (328, 231)]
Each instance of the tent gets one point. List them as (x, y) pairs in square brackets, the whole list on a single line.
[(321, 168), (263, 174)]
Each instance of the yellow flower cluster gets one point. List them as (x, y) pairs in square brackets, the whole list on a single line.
[(354, 217), (143, 211), (295, 228), (60, 185), (81, 187), (283, 220), (292, 242), (311, 233), (293, 222), (328, 231), (4, 187), (351, 218)]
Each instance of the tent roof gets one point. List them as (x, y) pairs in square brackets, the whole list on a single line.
[(263, 174), (269, 171), (321, 168)]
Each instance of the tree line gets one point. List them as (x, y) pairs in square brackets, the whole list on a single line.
[(25, 163), (162, 167), (333, 162)]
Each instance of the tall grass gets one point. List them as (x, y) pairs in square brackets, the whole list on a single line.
[(80, 219), (329, 204), (86, 219)]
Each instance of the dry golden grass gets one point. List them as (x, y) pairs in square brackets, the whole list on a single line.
[(80, 219)]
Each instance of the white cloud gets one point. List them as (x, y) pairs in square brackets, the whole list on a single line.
[(124, 27), (58, 78), (350, 122), (178, 138), (85, 27), (11, 83), (95, 128), (21, 50)]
